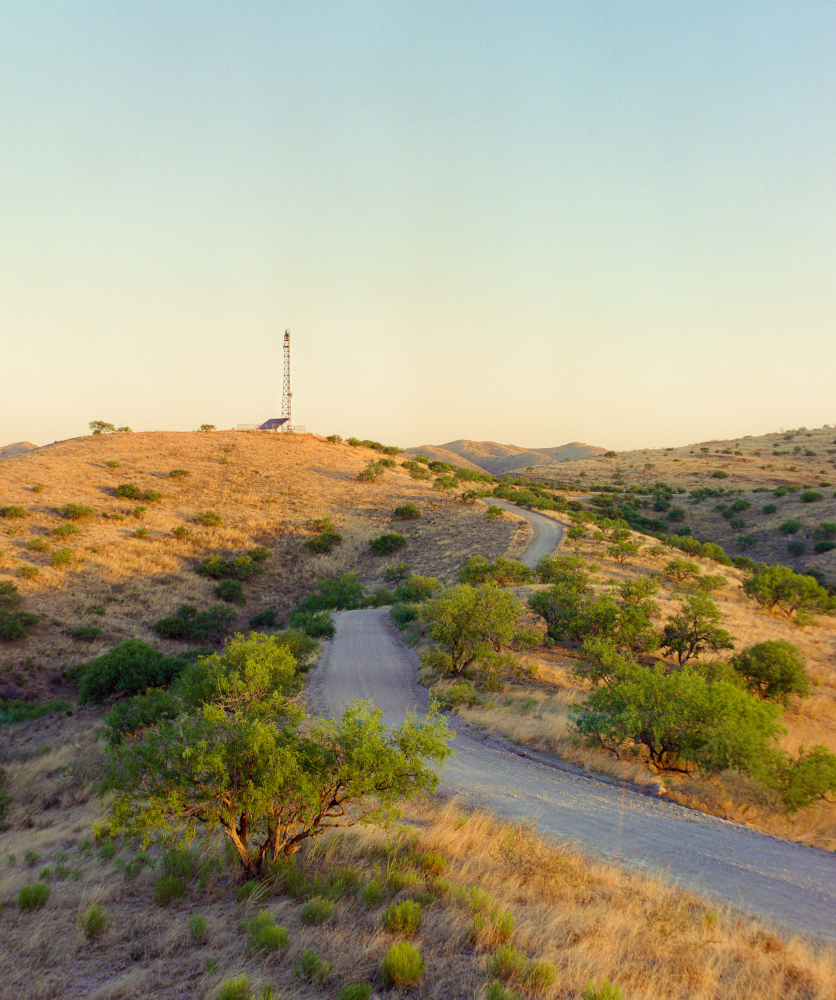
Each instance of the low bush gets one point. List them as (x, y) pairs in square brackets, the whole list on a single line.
[(790, 526), (505, 572), (87, 632), (372, 472), (94, 921), (312, 966), (168, 888), (416, 589), (796, 548), (212, 625), (494, 511), (773, 670), (354, 991), (335, 593), (316, 624), (402, 965), (10, 596), (316, 910), (13, 511), (389, 542), (140, 712), (606, 991), (234, 989), (61, 557), (129, 668), (801, 780), (238, 568), (507, 963), (826, 531), (178, 473), (372, 893), (33, 897), (209, 519), (231, 591), (15, 624), (37, 545), (824, 546), (719, 474), (810, 496), (75, 511), (403, 614), (128, 491), (264, 934), (770, 508), (264, 619), (17, 710), (198, 928), (64, 530), (402, 918), (407, 512), (397, 574), (324, 542), (27, 572)]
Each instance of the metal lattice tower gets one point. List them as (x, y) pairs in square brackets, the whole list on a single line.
[(287, 395)]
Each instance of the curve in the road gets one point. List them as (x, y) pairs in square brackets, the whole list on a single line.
[(790, 883), (547, 532)]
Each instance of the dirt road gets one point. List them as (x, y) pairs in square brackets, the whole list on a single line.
[(547, 532), (788, 882)]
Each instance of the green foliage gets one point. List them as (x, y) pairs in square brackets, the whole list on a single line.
[(275, 782), (264, 934), (234, 989), (129, 668), (178, 473), (468, 620), (372, 472), (507, 963), (389, 542), (198, 928), (61, 557), (494, 511), (324, 542), (802, 780), (416, 589), (769, 508), (238, 568), (231, 591), (209, 519), (810, 496), (826, 531), (335, 593), (33, 897), (773, 670), (397, 574), (402, 965), (824, 546), (403, 614), (623, 551), (10, 596), (212, 625), (87, 632), (38, 545), (128, 491), (719, 474), (316, 624), (402, 918), (131, 717), (407, 512), (680, 570), (15, 624), (75, 512), (355, 991), (312, 966), (64, 530), (790, 526), (27, 572), (606, 991), (504, 572), (168, 888), (316, 910), (13, 511), (17, 710), (264, 619), (792, 593), (695, 629), (94, 921), (679, 718)]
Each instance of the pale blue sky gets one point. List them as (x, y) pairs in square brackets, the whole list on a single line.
[(529, 222)]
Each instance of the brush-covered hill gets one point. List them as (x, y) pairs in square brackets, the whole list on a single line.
[(18, 448), (117, 564), (498, 459)]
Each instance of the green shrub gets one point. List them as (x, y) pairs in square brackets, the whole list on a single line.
[(505, 572), (316, 910), (407, 512), (231, 591), (27, 572), (354, 991), (324, 542), (238, 568), (719, 474), (264, 934), (540, 975), (10, 596), (802, 780), (60, 557), (826, 531), (234, 989), (178, 473), (13, 511), (606, 991), (75, 512), (773, 670), (33, 897), (402, 965), (209, 519), (810, 496), (254, 890), (64, 530), (824, 546), (87, 632), (127, 491), (316, 624), (769, 508), (264, 619), (167, 889), (198, 928), (372, 472), (403, 614), (94, 921), (389, 542), (140, 712), (129, 668), (312, 966), (507, 963), (790, 526), (38, 545), (336, 593), (212, 625), (14, 624), (494, 511), (17, 710), (31, 858), (433, 863), (796, 548), (416, 589), (402, 918), (372, 893)]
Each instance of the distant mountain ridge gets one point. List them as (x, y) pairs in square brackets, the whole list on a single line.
[(490, 456), (18, 448)]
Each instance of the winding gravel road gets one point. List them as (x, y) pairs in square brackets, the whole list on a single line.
[(789, 883)]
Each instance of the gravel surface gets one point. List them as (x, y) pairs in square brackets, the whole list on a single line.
[(787, 882)]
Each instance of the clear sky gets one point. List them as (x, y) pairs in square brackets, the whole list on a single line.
[(527, 222)]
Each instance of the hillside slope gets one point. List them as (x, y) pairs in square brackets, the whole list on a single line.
[(18, 448), (498, 459)]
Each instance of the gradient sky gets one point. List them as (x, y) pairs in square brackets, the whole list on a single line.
[(526, 222)]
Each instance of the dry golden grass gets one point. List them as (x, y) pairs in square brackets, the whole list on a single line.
[(532, 710), (591, 919), (266, 487)]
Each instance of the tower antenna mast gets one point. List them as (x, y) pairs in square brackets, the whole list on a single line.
[(287, 395)]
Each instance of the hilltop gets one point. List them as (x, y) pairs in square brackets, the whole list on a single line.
[(18, 448), (498, 459)]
